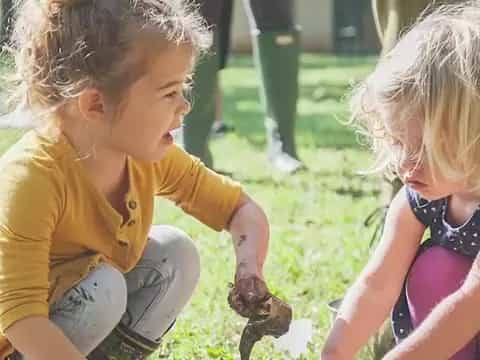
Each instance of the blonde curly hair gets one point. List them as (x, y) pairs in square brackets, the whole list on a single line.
[(429, 81)]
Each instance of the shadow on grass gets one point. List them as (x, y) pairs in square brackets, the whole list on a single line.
[(356, 193)]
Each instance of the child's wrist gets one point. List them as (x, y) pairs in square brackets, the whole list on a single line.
[(333, 353), (246, 269)]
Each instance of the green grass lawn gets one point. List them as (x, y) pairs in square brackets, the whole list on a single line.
[(318, 241)]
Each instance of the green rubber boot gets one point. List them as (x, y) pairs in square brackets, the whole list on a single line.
[(277, 56), (123, 344), (198, 123)]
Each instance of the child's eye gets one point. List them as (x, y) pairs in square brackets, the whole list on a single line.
[(395, 142), (171, 94)]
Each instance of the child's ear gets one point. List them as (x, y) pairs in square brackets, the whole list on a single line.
[(91, 104)]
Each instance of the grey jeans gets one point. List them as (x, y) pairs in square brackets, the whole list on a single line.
[(147, 299)]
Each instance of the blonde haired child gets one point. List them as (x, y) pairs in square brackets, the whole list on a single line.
[(420, 109), (82, 271)]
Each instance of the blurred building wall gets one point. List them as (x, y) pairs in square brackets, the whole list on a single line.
[(316, 18), (324, 24)]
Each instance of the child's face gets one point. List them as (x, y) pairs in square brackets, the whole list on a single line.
[(155, 106), (419, 176), (412, 166)]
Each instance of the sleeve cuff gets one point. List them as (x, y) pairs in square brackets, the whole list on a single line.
[(20, 312)]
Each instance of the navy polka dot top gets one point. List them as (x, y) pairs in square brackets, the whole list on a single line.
[(463, 239)]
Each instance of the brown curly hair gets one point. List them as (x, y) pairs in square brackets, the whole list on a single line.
[(62, 47)]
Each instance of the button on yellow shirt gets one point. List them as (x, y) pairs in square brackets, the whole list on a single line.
[(55, 226)]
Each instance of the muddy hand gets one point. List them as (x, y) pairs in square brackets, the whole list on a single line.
[(267, 314), (248, 295)]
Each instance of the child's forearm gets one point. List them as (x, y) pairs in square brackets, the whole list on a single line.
[(37, 338), (363, 311), (250, 232), (449, 327), (373, 295)]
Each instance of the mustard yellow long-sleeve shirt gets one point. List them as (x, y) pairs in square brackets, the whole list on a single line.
[(55, 226)]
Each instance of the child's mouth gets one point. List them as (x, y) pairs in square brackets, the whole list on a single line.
[(168, 137)]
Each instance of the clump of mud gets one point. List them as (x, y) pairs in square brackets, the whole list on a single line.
[(268, 316)]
